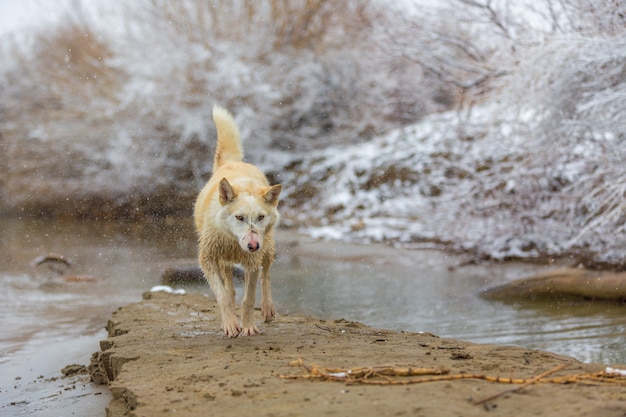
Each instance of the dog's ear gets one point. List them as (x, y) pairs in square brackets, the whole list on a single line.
[(227, 194), (271, 194)]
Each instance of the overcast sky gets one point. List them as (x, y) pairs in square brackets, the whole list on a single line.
[(15, 14)]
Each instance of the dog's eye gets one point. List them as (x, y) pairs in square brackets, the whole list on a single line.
[(261, 217), (240, 218)]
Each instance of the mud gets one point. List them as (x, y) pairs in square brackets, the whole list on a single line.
[(166, 355), (69, 393)]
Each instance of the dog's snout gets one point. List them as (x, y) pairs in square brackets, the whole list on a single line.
[(251, 242)]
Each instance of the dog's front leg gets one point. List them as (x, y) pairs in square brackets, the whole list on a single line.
[(227, 273), (225, 299), (247, 303), (267, 304)]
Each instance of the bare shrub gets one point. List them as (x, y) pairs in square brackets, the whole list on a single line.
[(121, 98), (307, 74), (57, 107)]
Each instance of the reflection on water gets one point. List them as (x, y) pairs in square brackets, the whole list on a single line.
[(414, 290)]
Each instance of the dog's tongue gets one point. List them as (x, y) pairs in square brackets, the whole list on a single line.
[(253, 242)]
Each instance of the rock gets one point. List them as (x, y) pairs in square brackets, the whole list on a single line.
[(191, 275), (561, 283), (74, 369)]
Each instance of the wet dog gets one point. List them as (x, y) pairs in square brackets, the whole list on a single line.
[(235, 216)]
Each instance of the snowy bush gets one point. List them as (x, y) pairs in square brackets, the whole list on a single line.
[(537, 172)]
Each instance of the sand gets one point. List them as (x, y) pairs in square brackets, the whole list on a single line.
[(167, 356)]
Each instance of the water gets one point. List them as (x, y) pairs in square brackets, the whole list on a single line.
[(426, 291), (47, 323)]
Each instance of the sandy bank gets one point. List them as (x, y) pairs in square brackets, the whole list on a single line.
[(166, 355)]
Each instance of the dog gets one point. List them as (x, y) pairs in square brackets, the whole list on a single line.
[(235, 216)]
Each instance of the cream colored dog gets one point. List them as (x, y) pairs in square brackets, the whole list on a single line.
[(235, 216)]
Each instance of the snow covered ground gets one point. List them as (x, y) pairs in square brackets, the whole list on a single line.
[(506, 181)]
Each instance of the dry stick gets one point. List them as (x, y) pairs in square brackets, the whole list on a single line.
[(435, 378), (367, 376), (521, 387), (391, 371), (357, 375)]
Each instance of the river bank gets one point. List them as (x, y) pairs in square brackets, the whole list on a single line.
[(166, 355)]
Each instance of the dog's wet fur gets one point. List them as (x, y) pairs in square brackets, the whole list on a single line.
[(235, 216)]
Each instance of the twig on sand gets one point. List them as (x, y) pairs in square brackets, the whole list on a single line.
[(525, 385), (389, 375), (360, 375)]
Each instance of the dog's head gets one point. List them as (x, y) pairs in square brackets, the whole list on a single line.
[(249, 214)]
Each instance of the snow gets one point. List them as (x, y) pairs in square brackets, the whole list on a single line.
[(615, 371), (514, 179), (167, 289)]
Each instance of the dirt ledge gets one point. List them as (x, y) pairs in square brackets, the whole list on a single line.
[(165, 355)]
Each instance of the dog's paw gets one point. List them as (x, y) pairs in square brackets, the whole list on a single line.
[(231, 329), (267, 311), (250, 331)]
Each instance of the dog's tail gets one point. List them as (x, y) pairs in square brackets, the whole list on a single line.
[(228, 141)]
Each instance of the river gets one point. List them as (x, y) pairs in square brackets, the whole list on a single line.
[(48, 323)]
